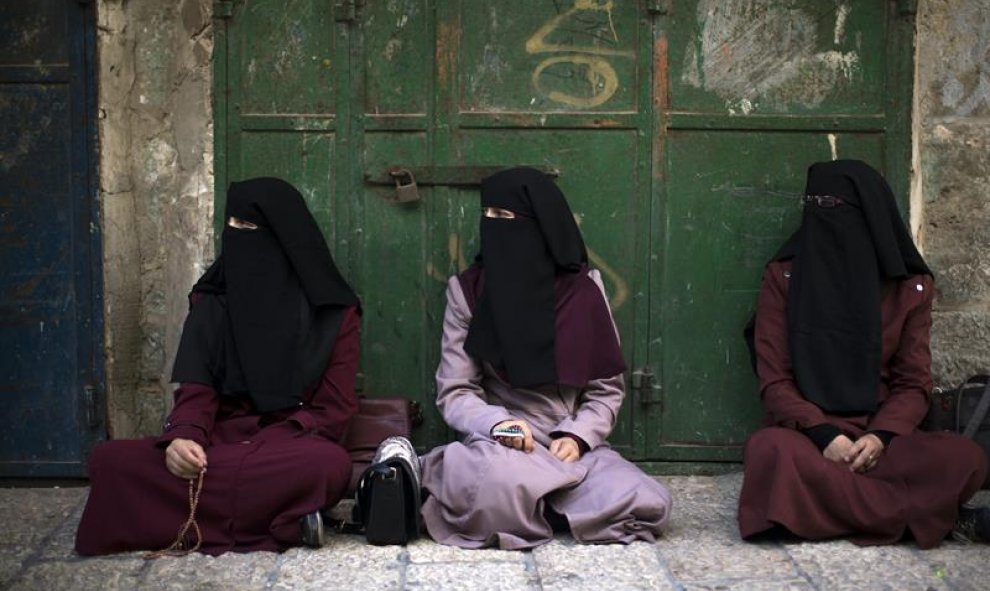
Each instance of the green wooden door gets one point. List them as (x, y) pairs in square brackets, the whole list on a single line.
[(683, 177)]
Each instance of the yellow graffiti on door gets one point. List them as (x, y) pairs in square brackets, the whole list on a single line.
[(598, 71)]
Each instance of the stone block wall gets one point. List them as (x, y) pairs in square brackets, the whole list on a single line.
[(952, 132)]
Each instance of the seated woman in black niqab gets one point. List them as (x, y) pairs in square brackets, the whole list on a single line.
[(843, 360), (266, 368)]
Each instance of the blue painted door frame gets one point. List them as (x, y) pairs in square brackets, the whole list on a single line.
[(51, 309)]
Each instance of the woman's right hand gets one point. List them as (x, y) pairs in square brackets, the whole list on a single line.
[(524, 443), (838, 449), (185, 458)]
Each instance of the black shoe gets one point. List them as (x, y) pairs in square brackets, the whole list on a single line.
[(973, 525), (313, 532)]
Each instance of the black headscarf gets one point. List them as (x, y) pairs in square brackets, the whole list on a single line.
[(270, 306), (841, 256), (521, 306)]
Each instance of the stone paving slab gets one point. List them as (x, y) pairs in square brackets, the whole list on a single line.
[(701, 551), (566, 565)]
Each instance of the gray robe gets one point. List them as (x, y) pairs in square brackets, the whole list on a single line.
[(482, 493)]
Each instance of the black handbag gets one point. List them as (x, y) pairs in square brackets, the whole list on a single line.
[(964, 410), (388, 495)]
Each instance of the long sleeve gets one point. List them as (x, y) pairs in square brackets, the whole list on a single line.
[(333, 402), (598, 403), (782, 401), (909, 380), (194, 410), (460, 397), (598, 409), (192, 415)]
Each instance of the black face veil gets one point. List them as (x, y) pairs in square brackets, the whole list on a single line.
[(513, 326), (271, 304), (850, 241)]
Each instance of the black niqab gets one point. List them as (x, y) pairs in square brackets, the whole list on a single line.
[(270, 306), (513, 326), (841, 256)]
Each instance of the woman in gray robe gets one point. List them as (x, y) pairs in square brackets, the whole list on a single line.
[(529, 345)]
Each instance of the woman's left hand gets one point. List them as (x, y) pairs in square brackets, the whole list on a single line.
[(864, 453), (565, 449)]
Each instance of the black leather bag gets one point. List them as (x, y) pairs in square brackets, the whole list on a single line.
[(388, 498), (965, 410)]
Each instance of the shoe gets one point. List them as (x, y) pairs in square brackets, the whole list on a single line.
[(973, 525), (313, 532)]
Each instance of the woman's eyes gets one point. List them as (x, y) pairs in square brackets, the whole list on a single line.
[(241, 224), (498, 212)]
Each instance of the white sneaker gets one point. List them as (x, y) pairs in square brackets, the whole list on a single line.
[(399, 447)]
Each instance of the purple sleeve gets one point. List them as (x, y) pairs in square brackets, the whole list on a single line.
[(460, 397), (192, 415), (598, 403)]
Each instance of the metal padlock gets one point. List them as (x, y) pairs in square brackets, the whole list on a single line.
[(406, 190)]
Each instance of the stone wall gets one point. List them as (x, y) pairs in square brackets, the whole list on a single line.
[(952, 131), (156, 188)]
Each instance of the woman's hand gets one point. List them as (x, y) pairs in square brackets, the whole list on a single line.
[(185, 458), (865, 453), (524, 443), (838, 450), (565, 449)]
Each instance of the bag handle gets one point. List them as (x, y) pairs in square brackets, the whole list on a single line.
[(981, 407)]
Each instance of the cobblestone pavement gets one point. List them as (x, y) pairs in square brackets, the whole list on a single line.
[(701, 550)]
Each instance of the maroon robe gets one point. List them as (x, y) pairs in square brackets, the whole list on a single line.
[(919, 480), (264, 471)]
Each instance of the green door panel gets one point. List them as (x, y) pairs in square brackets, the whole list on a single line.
[(276, 111), (285, 57), (681, 132), (396, 51), (526, 56), (778, 56), (306, 156), (401, 303)]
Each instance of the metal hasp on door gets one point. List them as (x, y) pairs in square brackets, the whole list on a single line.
[(51, 328), (407, 185), (681, 130)]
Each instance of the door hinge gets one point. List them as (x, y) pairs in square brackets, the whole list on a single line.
[(644, 384), (91, 401), (223, 9), (661, 7), (346, 10)]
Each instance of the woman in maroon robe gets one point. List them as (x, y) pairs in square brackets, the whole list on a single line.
[(842, 355), (266, 368)]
